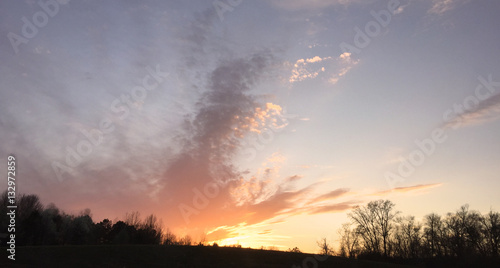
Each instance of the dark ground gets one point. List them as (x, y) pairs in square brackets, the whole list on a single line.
[(172, 256)]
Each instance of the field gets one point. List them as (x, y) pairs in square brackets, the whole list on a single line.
[(172, 256)]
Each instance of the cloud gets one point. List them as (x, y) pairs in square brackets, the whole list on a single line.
[(485, 111), (213, 135), (208, 141), (328, 196), (218, 233), (302, 71), (345, 63), (401, 8), (270, 115), (440, 7), (408, 189), (332, 208), (280, 203), (265, 232), (293, 178), (173, 150), (276, 158), (315, 59), (332, 68)]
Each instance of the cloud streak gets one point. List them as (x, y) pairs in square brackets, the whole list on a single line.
[(485, 111), (334, 208), (328, 196), (409, 189)]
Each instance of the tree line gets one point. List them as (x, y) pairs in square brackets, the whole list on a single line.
[(37, 224), (375, 231), (378, 231)]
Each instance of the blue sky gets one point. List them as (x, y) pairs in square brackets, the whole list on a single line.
[(255, 105)]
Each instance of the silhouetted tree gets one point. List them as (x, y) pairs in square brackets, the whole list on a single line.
[(349, 241), (120, 233), (170, 238), (51, 225), (455, 226), (374, 223), (81, 231), (151, 230), (433, 235), (185, 241), (407, 238), (463, 238), (491, 233), (29, 220), (38, 226), (133, 219), (103, 230), (325, 248), (27, 204), (4, 218)]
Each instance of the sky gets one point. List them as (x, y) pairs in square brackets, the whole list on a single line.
[(259, 123)]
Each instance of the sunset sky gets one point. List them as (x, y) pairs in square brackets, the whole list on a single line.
[(260, 123)]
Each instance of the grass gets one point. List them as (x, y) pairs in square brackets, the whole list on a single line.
[(172, 256)]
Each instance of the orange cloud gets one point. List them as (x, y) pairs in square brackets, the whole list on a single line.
[(268, 231), (269, 116), (218, 234)]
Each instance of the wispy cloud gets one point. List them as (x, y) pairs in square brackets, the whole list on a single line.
[(329, 196), (408, 189), (486, 111), (333, 208)]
